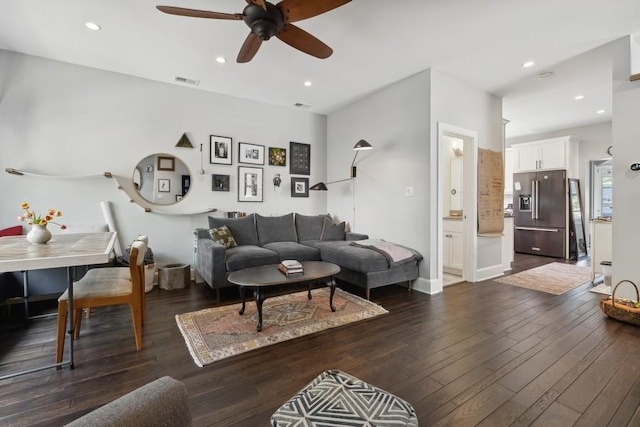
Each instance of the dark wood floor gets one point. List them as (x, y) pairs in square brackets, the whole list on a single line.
[(485, 354)]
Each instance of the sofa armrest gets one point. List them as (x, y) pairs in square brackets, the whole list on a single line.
[(163, 402), (349, 235), (210, 262)]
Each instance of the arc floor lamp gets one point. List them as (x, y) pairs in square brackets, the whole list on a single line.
[(360, 145)]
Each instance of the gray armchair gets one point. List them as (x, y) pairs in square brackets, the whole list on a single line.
[(162, 402)]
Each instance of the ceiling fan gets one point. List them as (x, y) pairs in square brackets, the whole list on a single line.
[(266, 20)]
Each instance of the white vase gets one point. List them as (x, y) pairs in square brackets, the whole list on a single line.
[(39, 234)]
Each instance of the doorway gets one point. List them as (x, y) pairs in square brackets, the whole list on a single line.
[(457, 198)]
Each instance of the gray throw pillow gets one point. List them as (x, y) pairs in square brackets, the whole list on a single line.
[(331, 231), (242, 229), (275, 229), (223, 236), (309, 227)]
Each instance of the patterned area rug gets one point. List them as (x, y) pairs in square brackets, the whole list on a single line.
[(555, 278), (217, 333)]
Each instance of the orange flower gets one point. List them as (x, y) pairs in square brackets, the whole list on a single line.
[(32, 218)]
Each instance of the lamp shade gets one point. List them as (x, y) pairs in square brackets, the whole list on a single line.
[(362, 145), (321, 186)]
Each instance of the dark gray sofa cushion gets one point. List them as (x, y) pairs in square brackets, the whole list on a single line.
[(242, 229), (309, 227), (357, 259), (294, 250), (249, 256), (276, 229)]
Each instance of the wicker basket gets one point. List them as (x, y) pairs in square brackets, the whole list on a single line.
[(618, 310)]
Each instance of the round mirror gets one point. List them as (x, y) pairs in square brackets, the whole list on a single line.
[(162, 179)]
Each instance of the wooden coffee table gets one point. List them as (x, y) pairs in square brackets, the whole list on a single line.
[(268, 276)]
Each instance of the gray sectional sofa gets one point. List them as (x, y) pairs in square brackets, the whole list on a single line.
[(263, 240)]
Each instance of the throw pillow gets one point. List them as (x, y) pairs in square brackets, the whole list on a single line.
[(243, 229), (331, 231), (223, 236)]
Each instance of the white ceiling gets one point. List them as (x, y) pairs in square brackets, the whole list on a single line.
[(375, 43)]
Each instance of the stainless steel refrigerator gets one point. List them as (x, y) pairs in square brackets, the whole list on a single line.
[(540, 213)]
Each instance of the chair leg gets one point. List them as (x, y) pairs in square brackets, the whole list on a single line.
[(61, 330), (77, 320), (88, 312), (136, 318)]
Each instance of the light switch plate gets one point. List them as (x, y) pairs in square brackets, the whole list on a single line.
[(409, 192)]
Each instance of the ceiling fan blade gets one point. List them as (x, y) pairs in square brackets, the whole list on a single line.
[(303, 41), (198, 13), (297, 10), (249, 48), (260, 3)]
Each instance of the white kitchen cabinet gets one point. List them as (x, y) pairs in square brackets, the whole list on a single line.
[(507, 244), (452, 261), (600, 245), (508, 170), (548, 154)]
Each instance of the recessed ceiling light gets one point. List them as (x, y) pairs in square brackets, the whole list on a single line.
[(600, 112), (93, 26), (307, 83), (528, 64), (221, 59), (579, 97)]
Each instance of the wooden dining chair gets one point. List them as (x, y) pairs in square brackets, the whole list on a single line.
[(102, 287)]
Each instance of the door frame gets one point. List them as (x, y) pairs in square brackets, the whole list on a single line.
[(470, 197)]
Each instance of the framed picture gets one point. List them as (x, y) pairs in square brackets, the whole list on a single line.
[(186, 184), (164, 185), (220, 183), (178, 197), (220, 149), (249, 184), (251, 153), (299, 187), (300, 160), (277, 156), (166, 163)]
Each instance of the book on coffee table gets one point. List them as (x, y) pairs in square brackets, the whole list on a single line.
[(289, 266)]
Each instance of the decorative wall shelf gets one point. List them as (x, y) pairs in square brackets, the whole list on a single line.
[(126, 186)]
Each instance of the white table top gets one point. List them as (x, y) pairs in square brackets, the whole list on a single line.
[(63, 250)]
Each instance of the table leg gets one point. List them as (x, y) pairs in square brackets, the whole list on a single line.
[(333, 291), (309, 292), (258, 294), (241, 289), (70, 314)]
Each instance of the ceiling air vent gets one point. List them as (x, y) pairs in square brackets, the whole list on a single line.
[(301, 105), (187, 81)]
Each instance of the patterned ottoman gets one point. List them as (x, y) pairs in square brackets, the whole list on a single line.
[(335, 398)]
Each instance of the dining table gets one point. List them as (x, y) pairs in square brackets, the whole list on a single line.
[(63, 250)]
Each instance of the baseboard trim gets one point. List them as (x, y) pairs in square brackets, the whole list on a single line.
[(427, 286), (490, 272)]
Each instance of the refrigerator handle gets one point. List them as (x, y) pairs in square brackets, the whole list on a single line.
[(533, 200), (537, 199)]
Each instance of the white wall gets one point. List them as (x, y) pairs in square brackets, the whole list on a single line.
[(626, 183), (62, 119), (400, 121), (459, 104), (395, 121)]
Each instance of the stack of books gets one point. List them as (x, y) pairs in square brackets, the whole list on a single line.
[(290, 266)]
